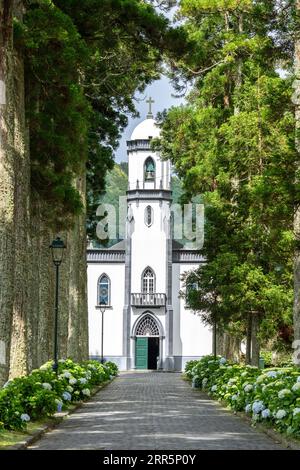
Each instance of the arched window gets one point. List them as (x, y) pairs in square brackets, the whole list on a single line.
[(147, 327), (148, 281), (149, 169), (103, 295), (148, 216)]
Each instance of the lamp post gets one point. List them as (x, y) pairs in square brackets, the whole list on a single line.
[(57, 250), (102, 310)]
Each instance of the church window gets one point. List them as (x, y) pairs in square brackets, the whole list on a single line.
[(147, 327), (149, 169), (148, 281), (148, 216), (104, 290)]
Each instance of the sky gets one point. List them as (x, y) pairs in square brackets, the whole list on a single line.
[(161, 91)]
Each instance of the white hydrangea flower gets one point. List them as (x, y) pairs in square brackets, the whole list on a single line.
[(234, 397), (280, 414), (248, 408), (44, 367), (222, 361), (25, 417), (83, 380), (61, 361), (232, 381), (214, 388), (244, 374), (298, 379), (266, 413), (248, 388), (72, 381), (47, 386), (66, 374), (296, 411), (296, 387), (260, 379), (284, 393), (86, 392)]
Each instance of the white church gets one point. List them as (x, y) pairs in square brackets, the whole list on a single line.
[(135, 284)]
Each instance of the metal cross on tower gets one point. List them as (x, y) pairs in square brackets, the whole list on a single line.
[(150, 101)]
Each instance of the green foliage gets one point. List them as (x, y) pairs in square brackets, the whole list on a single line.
[(271, 396), (84, 62), (42, 393), (234, 142)]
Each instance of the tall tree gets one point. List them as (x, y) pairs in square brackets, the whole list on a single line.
[(297, 208), (234, 143)]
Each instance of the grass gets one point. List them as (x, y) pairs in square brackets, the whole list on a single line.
[(10, 438)]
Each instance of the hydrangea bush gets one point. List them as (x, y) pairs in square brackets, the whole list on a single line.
[(43, 392), (270, 395)]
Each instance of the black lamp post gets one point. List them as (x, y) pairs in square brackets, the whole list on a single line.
[(102, 310), (57, 250)]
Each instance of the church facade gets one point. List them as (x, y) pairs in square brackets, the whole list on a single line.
[(135, 284)]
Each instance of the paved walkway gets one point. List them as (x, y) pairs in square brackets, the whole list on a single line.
[(153, 411)]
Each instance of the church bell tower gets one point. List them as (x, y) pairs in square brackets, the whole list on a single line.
[(148, 312)]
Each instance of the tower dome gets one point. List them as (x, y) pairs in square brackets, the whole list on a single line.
[(146, 130)]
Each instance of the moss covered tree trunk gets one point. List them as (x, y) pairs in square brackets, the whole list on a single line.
[(297, 208), (7, 184), (20, 360), (255, 344), (78, 315)]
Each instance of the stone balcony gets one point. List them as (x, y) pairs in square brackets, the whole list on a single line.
[(148, 300)]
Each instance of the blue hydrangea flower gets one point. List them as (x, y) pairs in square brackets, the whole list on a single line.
[(222, 361), (273, 374), (257, 406), (248, 408), (67, 396), (25, 417), (266, 413)]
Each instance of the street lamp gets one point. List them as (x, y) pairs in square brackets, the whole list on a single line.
[(57, 251), (102, 310)]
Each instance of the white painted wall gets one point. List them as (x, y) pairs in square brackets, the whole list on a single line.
[(113, 317), (191, 336)]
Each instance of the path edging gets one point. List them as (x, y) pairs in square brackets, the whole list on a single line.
[(57, 419), (275, 435)]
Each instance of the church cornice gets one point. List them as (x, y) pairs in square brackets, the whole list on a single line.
[(149, 194), (105, 256)]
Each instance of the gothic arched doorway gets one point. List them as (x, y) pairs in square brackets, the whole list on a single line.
[(148, 342)]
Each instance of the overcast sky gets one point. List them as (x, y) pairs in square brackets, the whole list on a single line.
[(161, 91)]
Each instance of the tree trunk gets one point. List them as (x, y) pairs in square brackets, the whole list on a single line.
[(7, 184), (255, 345), (248, 339), (22, 263), (77, 347), (296, 312)]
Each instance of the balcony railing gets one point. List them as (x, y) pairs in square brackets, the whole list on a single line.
[(148, 300)]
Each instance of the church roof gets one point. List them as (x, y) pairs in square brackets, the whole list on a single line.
[(146, 130)]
